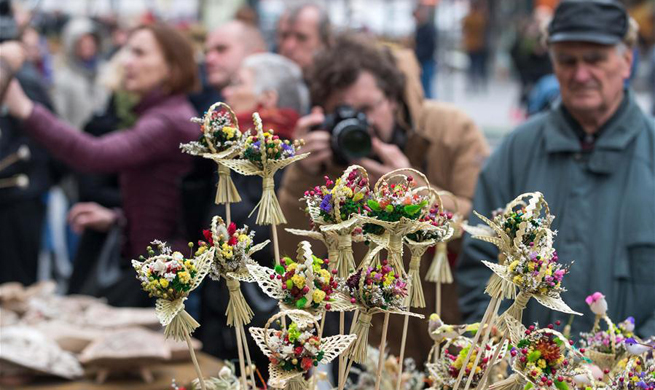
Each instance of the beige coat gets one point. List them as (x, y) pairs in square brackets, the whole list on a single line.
[(449, 148)]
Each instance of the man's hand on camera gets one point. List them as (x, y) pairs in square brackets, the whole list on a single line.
[(304, 125), (317, 143), (391, 156)]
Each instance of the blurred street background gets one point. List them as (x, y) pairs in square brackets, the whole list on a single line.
[(496, 108)]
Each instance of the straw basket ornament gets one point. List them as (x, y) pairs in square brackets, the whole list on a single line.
[(397, 203), (335, 208), (232, 250), (604, 360), (304, 284), (294, 349), (262, 155), (435, 229), (169, 306), (545, 344), (448, 364), (221, 139), (373, 298)]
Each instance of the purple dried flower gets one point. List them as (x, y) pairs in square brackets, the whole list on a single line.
[(326, 206)]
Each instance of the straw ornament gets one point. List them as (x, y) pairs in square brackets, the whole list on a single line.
[(262, 155), (221, 139), (170, 278), (295, 349)]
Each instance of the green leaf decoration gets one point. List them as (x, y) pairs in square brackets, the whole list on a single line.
[(300, 303), (534, 356), (561, 385), (375, 206), (412, 209)]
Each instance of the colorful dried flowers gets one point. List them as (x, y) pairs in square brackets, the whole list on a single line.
[(380, 288), (351, 193), (542, 358), (218, 133), (232, 247), (538, 272), (306, 285), (267, 145), (167, 275), (393, 201), (295, 348)]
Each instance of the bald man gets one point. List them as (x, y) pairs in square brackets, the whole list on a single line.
[(225, 49), (305, 32)]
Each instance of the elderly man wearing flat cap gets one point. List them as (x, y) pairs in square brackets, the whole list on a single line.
[(593, 158)]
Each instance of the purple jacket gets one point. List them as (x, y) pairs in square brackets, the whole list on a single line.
[(146, 157)]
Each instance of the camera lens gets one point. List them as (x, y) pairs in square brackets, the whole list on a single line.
[(352, 139)]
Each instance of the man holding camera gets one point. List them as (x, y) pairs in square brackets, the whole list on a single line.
[(364, 85)]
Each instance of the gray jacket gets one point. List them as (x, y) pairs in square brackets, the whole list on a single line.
[(604, 204), (77, 91)]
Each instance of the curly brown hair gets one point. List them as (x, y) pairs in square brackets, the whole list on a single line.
[(339, 67)]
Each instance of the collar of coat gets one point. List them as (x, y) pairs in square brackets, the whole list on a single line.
[(560, 137)]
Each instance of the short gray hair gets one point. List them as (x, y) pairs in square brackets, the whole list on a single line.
[(324, 25), (272, 72)]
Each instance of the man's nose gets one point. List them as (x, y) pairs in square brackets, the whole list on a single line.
[(582, 73), (288, 44)]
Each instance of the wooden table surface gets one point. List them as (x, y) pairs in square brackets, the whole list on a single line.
[(163, 374)]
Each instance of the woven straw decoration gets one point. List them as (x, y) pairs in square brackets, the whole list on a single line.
[(332, 347)]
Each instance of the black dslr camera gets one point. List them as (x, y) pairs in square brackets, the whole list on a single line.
[(350, 136)]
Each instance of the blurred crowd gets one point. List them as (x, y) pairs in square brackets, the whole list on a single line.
[(94, 111)]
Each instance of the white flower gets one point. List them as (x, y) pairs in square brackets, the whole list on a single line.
[(225, 372), (287, 350), (159, 266), (169, 276), (178, 257)]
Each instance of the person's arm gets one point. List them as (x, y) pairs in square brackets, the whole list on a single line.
[(147, 141)]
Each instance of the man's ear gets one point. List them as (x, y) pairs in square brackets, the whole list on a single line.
[(628, 57), (268, 99)]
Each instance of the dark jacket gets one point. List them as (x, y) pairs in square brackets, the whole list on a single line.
[(604, 204), (146, 157), (22, 210), (426, 42)]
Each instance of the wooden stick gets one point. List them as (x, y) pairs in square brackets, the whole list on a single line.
[(344, 377), (438, 299), (314, 379), (485, 339), (320, 332), (492, 362), (402, 350), (242, 366), (343, 383), (404, 338), (195, 361), (248, 360), (383, 341), (485, 319), (342, 329), (228, 214), (276, 244)]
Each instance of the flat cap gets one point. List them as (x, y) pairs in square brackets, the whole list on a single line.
[(596, 21)]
